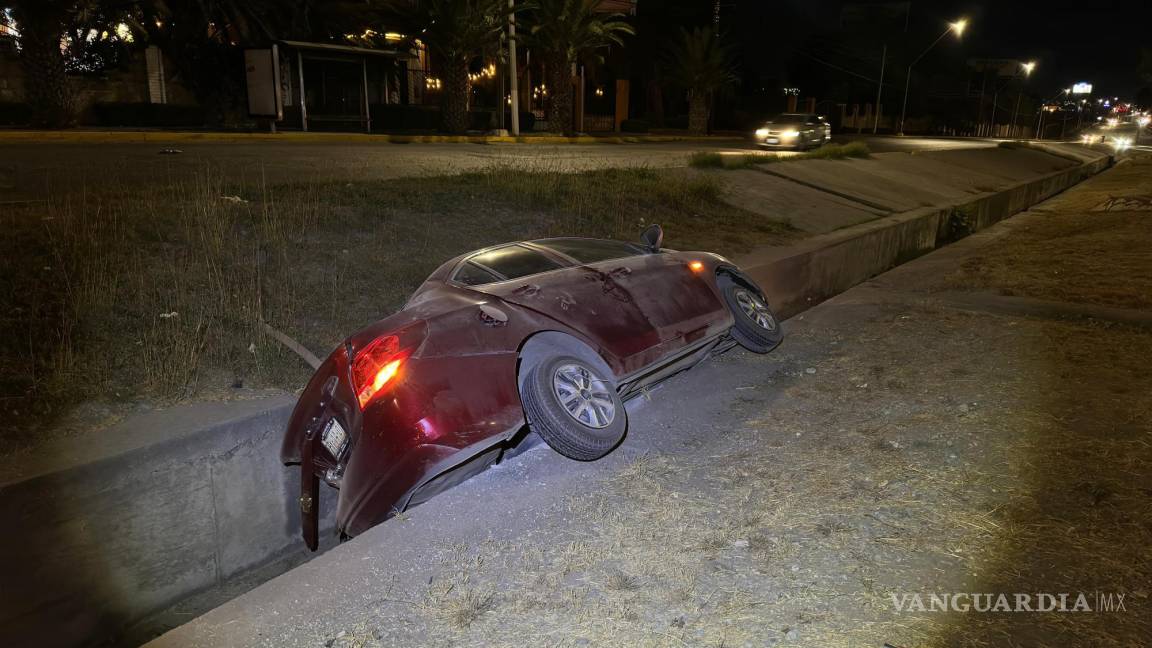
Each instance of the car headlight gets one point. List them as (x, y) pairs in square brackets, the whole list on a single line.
[(791, 133), (761, 132)]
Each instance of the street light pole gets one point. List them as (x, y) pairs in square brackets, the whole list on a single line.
[(880, 88), (1028, 67), (957, 27)]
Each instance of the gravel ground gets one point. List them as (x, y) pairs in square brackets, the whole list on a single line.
[(900, 442)]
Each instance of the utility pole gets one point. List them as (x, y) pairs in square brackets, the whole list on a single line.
[(880, 88), (1016, 111), (514, 84), (995, 98)]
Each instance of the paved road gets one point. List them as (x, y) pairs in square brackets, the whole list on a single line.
[(30, 170), (1128, 135), (907, 438)]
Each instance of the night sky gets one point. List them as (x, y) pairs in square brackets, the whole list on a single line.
[(1097, 40)]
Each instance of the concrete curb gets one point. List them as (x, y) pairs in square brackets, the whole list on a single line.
[(96, 545), (799, 277), (93, 547), (125, 137)]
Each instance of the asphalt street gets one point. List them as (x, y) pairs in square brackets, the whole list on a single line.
[(27, 169)]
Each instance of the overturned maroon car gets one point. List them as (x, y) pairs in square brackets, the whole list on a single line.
[(548, 337)]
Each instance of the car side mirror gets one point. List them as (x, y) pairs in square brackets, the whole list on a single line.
[(652, 238)]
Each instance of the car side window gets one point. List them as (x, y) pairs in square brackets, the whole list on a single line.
[(590, 250), (513, 262), (471, 274)]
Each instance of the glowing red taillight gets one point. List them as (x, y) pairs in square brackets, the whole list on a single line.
[(375, 367)]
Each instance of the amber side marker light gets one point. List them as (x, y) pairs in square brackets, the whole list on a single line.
[(695, 266)]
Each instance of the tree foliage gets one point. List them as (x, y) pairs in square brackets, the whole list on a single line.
[(456, 32), (701, 65), (569, 31)]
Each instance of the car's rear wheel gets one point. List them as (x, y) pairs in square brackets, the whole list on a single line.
[(754, 326), (574, 407)]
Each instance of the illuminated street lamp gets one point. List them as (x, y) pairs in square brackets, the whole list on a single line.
[(1027, 67), (958, 27)]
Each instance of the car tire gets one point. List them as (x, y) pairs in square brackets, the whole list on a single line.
[(574, 407), (755, 326)]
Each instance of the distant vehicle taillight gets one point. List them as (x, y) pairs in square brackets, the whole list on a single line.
[(376, 366)]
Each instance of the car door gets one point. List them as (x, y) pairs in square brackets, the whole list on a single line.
[(597, 302), (676, 302), (812, 131)]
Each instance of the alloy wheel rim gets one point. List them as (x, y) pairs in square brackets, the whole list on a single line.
[(756, 310), (584, 395)]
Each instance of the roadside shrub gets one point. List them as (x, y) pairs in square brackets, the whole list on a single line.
[(838, 152), (961, 223), (405, 117), (148, 114), (857, 150), (713, 160), (706, 160), (634, 126), (14, 114), (527, 120), (481, 120)]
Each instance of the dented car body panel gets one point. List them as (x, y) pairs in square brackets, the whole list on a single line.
[(454, 401)]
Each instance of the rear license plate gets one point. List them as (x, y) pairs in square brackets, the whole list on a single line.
[(334, 438)]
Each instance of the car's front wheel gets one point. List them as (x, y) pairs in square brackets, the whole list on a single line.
[(574, 407), (754, 326)]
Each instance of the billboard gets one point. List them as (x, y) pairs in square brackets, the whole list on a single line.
[(1082, 88), (262, 71)]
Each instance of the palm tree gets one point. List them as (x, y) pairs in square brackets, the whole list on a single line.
[(701, 65), (568, 30), (457, 31)]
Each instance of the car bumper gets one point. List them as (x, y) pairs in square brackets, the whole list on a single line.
[(777, 143)]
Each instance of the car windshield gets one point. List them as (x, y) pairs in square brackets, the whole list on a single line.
[(788, 118), (589, 250), (508, 262)]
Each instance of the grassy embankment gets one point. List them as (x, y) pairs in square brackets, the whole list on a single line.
[(123, 296), (716, 160)]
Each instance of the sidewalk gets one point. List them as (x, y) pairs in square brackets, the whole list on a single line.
[(931, 431)]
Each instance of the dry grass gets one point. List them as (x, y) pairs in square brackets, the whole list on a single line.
[(462, 610), (1060, 258), (157, 295)]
